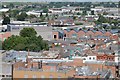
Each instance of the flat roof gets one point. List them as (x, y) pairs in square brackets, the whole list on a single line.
[(6, 68)]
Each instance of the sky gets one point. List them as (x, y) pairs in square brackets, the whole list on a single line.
[(59, 0)]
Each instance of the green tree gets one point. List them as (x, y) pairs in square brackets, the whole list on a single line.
[(78, 23), (46, 14), (13, 42), (42, 18), (32, 16), (101, 19), (74, 17), (45, 10), (84, 12), (105, 13), (32, 47), (28, 32), (13, 13), (20, 46), (78, 13), (11, 5), (6, 21), (22, 16), (3, 15), (84, 28), (41, 15), (25, 42)]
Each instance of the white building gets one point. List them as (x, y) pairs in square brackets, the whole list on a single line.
[(88, 58), (110, 16), (20, 22), (36, 13), (59, 10), (4, 10), (96, 9), (65, 10), (33, 13)]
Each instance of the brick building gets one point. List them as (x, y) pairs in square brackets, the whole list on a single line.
[(105, 57), (70, 69), (89, 34), (4, 35)]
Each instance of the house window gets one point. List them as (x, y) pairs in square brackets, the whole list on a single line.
[(64, 35), (84, 59), (60, 37), (90, 58), (93, 58), (55, 36), (8, 75)]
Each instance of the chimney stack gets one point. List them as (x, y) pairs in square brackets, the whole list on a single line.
[(40, 64)]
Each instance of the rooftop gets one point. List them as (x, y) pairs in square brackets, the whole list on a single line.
[(88, 71), (6, 68)]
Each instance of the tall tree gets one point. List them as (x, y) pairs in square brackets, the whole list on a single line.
[(78, 13), (26, 40), (6, 21), (22, 16), (11, 5), (13, 42), (46, 14), (14, 13), (32, 16), (45, 10), (102, 19), (28, 32)]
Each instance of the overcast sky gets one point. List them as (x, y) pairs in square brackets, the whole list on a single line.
[(59, 0)]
